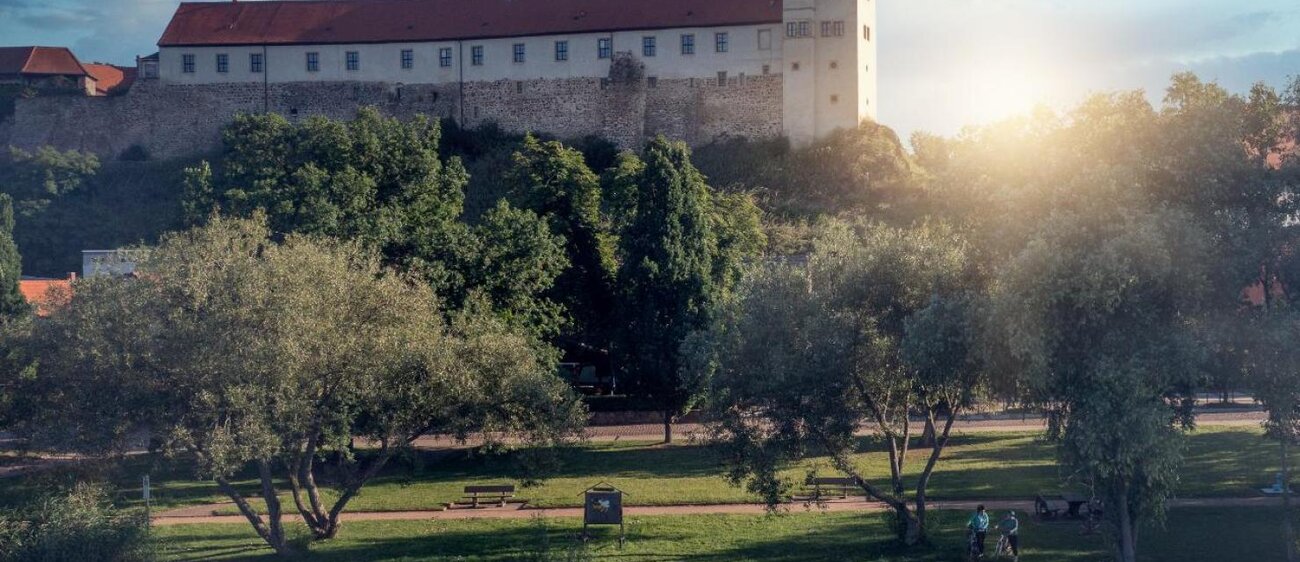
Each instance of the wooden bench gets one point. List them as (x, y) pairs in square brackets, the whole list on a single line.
[(497, 494), (1050, 507), (833, 485)]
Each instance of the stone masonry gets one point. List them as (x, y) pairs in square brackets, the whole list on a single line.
[(627, 107)]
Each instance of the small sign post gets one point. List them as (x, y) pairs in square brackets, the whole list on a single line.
[(147, 494), (603, 505)]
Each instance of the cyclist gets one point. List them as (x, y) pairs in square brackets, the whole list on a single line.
[(1010, 527), (979, 526)]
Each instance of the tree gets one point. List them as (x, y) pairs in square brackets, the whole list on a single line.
[(555, 182), (876, 326), (380, 182), (1100, 310), (34, 179), (1272, 364), (235, 349), (679, 257), (513, 261), (12, 302)]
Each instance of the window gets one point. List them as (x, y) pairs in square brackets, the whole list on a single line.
[(688, 44), (255, 63), (799, 28), (832, 29), (476, 55), (444, 57), (794, 67), (519, 52), (408, 59), (835, 65), (866, 32), (805, 28), (722, 78), (604, 48), (223, 63), (561, 51), (720, 42), (648, 46), (313, 62), (652, 81), (187, 64), (767, 69), (353, 59), (792, 29), (764, 39), (835, 99)]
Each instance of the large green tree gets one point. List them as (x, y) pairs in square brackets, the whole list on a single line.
[(555, 182), (680, 256), (878, 326), (1100, 309), (382, 183), (238, 350)]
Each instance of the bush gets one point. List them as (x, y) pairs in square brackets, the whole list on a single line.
[(79, 525)]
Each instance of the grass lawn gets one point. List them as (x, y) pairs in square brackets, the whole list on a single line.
[(1220, 462), (1192, 534)]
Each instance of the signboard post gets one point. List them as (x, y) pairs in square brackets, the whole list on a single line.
[(147, 494), (603, 505)]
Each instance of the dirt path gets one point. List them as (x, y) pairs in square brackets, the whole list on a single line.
[(520, 511)]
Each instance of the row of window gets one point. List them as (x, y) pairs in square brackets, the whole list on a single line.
[(604, 50), (803, 28)]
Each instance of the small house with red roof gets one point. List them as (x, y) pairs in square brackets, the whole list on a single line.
[(45, 69)]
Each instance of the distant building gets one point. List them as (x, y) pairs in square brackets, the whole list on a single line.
[(45, 69), (101, 263)]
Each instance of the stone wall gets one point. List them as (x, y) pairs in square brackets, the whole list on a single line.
[(626, 107)]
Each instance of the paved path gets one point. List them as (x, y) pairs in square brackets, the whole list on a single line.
[(520, 511)]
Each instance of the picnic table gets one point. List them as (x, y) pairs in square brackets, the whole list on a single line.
[(1069, 504)]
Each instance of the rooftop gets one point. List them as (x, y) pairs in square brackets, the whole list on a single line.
[(290, 22), (45, 61)]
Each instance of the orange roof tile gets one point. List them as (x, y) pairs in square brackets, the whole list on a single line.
[(45, 293), (286, 22), (110, 79)]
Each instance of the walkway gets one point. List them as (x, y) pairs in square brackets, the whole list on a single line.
[(202, 514)]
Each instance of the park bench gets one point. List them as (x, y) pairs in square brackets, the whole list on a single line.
[(494, 494), (833, 487), (1050, 506)]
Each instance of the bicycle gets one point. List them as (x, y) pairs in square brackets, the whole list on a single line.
[(972, 546), (1004, 548)]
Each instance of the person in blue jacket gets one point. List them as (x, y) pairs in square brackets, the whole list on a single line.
[(979, 524)]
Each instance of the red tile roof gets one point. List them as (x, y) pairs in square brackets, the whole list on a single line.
[(46, 61), (43, 294), (287, 22), (110, 79)]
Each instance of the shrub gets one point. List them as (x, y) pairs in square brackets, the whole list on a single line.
[(80, 525)]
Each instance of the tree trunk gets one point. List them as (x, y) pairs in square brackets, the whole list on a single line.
[(273, 533), (1125, 533), (913, 530), (668, 426), (1288, 532)]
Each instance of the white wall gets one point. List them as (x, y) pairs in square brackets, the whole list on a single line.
[(382, 62)]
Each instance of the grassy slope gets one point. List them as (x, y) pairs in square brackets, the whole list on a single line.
[(1220, 462), (1193, 534)]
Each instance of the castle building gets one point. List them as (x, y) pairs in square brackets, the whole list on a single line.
[(625, 70), (821, 53)]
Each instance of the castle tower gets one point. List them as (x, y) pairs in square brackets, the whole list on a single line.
[(830, 66)]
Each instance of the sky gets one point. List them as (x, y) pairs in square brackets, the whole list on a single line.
[(944, 64)]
